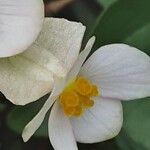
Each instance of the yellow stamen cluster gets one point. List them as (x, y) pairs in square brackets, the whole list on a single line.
[(76, 97)]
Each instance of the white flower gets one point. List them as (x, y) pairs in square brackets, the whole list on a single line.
[(26, 77), (20, 23), (85, 106)]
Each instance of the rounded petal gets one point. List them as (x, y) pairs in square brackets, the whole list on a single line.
[(60, 130), (121, 72), (100, 123), (21, 22)]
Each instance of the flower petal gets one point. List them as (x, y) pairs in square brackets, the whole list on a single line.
[(102, 122), (60, 130), (20, 25), (23, 82), (28, 76), (63, 39), (81, 58), (35, 123), (121, 72)]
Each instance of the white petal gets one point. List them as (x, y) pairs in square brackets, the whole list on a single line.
[(63, 39), (44, 58), (23, 82), (121, 72), (100, 123), (60, 130), (20, 24), (35, 123), (28, 76), (81, 58)]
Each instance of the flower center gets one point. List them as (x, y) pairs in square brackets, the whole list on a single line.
[(77, 96)]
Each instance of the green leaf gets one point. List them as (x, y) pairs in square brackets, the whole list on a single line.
[(106, 3), (137, 123), (124, 21), (141, 38), (19, 117), (126, 143)]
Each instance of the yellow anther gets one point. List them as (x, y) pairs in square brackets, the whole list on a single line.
[(69, 111), (83, 86), (87, 103), (95, 91), (69, 99), (76, 97), (78, 111)]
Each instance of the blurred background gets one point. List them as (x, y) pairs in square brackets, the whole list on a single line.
[(112, 21)]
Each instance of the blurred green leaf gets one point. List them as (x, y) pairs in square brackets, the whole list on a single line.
[(106, 3), (141, 39), (19, 117), (124, 21), (126, 143), (137, 124)]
